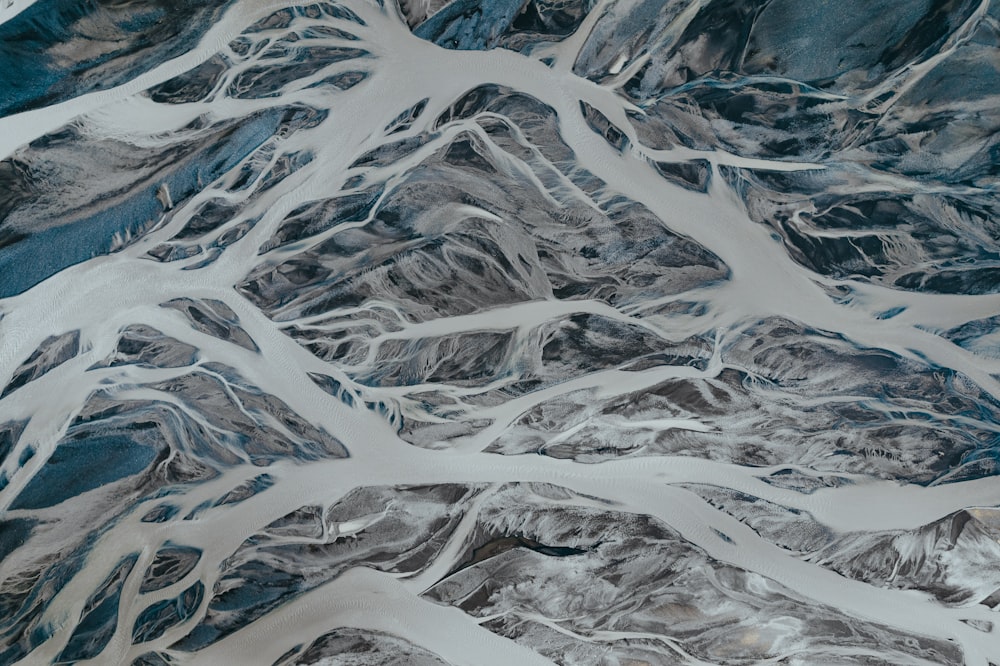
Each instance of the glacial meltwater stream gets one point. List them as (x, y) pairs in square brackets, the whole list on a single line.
[(538, 332)]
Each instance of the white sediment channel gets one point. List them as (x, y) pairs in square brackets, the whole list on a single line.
[(102, 295), (11, 8)]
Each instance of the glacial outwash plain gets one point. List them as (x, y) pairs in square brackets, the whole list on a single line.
[(500, 332)]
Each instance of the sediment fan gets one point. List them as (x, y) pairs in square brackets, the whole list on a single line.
[(499, 332)]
